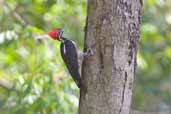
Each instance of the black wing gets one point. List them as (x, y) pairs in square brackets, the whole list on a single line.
[(70, 57)]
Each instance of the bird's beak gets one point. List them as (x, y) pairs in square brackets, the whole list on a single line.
[(60, 34)]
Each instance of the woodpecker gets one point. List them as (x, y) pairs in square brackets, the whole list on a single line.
[(70, 54)]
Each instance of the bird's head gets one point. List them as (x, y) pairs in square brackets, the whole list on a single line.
[(56, 34)]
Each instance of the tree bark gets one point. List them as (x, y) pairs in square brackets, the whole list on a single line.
[(107, 76)]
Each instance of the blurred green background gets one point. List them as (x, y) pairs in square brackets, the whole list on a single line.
[(33, 77)]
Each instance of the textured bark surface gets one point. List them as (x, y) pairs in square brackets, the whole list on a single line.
[(107, 76)]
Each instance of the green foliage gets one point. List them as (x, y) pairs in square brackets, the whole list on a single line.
[(38, 77), (33, 77), (152, 89)]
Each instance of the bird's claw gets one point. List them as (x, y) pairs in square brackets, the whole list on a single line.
[(89, 52)]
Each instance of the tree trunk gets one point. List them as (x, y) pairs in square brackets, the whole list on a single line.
[(107, 76)]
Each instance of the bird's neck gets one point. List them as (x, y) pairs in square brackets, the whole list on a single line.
[(63, 39)]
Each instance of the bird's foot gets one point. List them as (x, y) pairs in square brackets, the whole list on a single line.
[(89, 52)]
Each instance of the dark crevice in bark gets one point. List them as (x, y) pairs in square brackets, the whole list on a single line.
[(86, 27), (85, 34), (83, 89), (130, 54), (101, 61), (123, 91)]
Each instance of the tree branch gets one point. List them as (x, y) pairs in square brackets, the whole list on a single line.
[(17, 16), (5, 84), (24, 23)]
